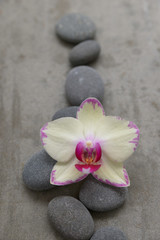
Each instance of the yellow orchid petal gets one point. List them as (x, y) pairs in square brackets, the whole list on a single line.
[(60, 138), (118, 138), (112, 173), (89, 114), (66, 173)]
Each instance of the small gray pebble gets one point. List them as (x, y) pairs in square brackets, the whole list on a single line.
[(83, 82), (36, 173), (101, 197), (75, 28), (108, 233), (66, 112), (70, 218), (84, 53)]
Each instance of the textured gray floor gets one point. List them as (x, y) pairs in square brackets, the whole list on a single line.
[(33, 66)]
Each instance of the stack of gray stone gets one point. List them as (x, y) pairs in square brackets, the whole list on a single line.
[(69, 216)]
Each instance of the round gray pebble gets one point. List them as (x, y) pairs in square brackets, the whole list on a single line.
[(83, 82), (84, 53), (66, 112), (70, 218), (108, 233), (101, 197), (75, 28), (36, 173)]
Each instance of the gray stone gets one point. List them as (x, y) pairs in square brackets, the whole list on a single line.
[(66, 112), (83, 82), (36, 173), (84, 53), (101, 197), (75, 28), (71, 218), (108, 233)]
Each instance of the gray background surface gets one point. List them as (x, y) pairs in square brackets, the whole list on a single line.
[(33, 68)]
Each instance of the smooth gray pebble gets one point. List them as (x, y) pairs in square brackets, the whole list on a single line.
[(108, 233), (36, 172), (84, 53), (83, 82), (66, 112), (101, 197), (70, 218), (75, 28)]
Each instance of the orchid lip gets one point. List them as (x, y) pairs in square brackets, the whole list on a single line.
[(87, 168), (88, 152)]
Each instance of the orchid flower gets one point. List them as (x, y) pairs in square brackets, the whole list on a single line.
[(92, 143)]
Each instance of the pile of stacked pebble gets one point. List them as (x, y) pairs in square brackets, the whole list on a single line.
[(71, 216)]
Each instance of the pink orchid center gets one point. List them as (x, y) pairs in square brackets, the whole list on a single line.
[(88, 153)]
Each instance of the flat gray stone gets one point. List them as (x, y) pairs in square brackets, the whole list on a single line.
[(84, 53), (101, 197), (71, 218), (36, 173), (83, 82), (108, 233), (66, 112), (75, 28)]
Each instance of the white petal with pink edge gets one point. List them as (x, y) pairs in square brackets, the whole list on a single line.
[(112, 173), (118, 138), (66, 173), (60, 138), (89, 113)]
